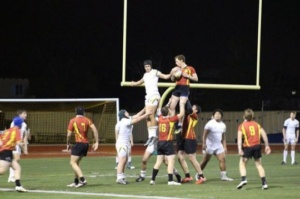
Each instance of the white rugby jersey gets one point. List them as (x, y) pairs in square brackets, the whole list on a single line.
[(215, 131), (124, 127), (150, 80), (291, 126)]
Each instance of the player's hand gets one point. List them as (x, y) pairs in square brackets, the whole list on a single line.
[(203, 147), (225, 150), (95, 146), (69, 147), (267, 150), (241, 152), (25, 152), (284, 140)]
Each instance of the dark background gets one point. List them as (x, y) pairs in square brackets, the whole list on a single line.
[(73, 49)]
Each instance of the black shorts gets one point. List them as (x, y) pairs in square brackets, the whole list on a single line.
[(254, 151), (165, 148), (179, 142), (80, 149), (181, 91), (6, 155), (190, 146)]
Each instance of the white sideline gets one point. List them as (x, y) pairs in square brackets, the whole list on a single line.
[(93, 194)]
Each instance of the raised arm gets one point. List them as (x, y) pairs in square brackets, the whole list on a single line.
[(135, 120), (139, 113), (163, 76), (133, 83)]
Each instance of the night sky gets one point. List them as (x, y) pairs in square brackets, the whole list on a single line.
[(73, 49)]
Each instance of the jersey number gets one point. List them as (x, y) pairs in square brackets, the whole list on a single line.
[(252, 130), (162, 128)]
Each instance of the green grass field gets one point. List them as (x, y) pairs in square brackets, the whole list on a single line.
[(47, 178)]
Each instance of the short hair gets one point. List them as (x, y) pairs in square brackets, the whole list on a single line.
[(198, 108), (165, 111), (79, 110), (218, 110), (248, 114), (295, 112), (148, 62), (20, 111), (180, 57)]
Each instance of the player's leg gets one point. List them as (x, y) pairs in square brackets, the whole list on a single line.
[(173, 104), (159, 160), (285, 151), (181, 159), (123, 153), (151, 105), (16, 156), (205, 159), (171, 163), (77, 153), (4, 165), (17, 168), (293, 147), (128, 165), (222, 164), (243, 172), (117, 162), (261, 173), (148, 153)]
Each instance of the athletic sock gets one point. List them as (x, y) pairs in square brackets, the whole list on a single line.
[(170, 176), (18, 183), (154, 174)]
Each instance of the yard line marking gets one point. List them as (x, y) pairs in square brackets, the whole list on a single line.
[(94, 194)]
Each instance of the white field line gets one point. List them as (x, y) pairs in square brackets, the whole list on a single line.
[(94, 194)]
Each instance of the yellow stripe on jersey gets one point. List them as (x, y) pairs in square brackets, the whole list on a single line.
[(77, 131), (170, 134), (11, 141), (245, 136)]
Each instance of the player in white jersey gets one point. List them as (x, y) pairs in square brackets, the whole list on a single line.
[(290, 133), (150, 79), (124, 142), (24, 136), (214, 143)]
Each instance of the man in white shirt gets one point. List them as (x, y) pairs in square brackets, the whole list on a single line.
[(214, 143), (290, 133), (124, 141)]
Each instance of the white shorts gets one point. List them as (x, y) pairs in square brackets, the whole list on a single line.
[(123, 150), (153, 147), (290, 139), (17, 150), (152, 100), (214, 151)]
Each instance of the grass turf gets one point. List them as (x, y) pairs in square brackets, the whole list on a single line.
[(47, 178)]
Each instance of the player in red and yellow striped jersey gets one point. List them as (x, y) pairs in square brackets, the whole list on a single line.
[(8, 141), (251, 131), (80, 126), (187, 145), (165, 147), (182, 88)]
